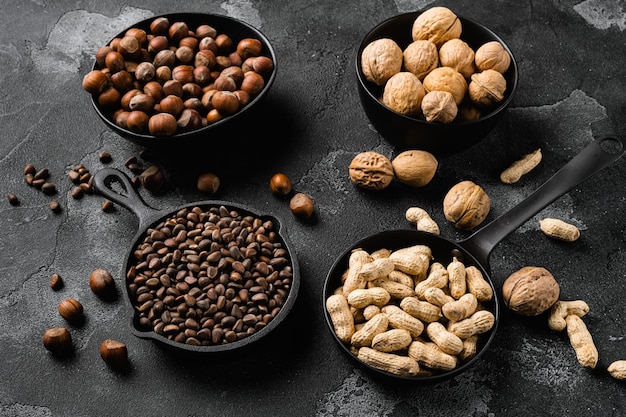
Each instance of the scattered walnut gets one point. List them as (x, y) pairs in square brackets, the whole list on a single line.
[(492, 55), (403, 93), (466, 205), (371, 170), (457, 54), (439, 106), (437, 24), (530, 291), (420, 57), (415, 167), (487, 88), (380, 60), (446, 79)]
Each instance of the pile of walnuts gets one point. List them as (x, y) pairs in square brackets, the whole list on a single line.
[(438, 77)]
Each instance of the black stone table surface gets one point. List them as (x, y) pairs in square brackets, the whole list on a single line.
[(571, 90)]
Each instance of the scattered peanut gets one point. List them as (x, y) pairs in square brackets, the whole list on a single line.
[(617, 369), (558, 229), (561, 309), (422, 220), (521, 167), (581, 341)]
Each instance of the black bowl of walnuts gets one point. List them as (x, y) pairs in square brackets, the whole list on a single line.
[(180, 77), (434, 81)]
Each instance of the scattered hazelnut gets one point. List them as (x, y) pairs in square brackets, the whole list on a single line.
[(152, 178), (208, 183), (114, 353), (56, 282), (280, 184), (101, 283), (71, 310), (58, 340), (301, 205)]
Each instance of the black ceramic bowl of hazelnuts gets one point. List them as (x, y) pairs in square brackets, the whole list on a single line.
[(181, 78), (406, 126)]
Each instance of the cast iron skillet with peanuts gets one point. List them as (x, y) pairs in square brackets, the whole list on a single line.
[(473, 251)]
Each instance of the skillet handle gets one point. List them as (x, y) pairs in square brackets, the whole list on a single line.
[(104, 182), (596, 156)]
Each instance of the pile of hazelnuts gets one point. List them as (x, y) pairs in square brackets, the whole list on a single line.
[(173, 79)]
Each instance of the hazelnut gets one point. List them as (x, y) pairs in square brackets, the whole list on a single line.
[(466, 205), (280, 184), (301, 205), (142, 102), (437, 24), (415, 168), (164, 58), (58, 340), (380, 60), (487, 88), (205, 30), (145, 72), (101, 283), (530, 291), (160, 26), (114, 61), (226, 102), (185, 54), (137, 121), (420, 57), (183, 73), (439, 107), (114, 353), (190, 119), (122, 81), (446, 79), (177, 31), (71, 310), (162, 124), (95, 82), (403, 93), (56, 282), (492, 55), (153, 179), (371, 170), (248, 47), (157, 44), (252, 83), (171, 104), (208, 183), (457, 54)]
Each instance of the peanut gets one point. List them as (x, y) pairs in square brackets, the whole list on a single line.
[(353, 279), (402, 278), (437, 277), (400, 319), (448, 342), (470, 348), (370, 311), (456, 278), (395, 289), (389, 362), (422, 220), (431, 357), (372, 327), (422, 310), (362, 297), (461, 308), (437, 296), (521, 167), (381, 253), (558, 229), (477, 285), (378, 268), (478, 323), (617, 369), (392, 340), (414, 260), (581, 341), (341, 317), (561, 309)]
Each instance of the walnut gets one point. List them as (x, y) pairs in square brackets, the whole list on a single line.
[(420, 57), (439, 106), (487, 88), (530, 291), (415, 168), (468, 112), (492, 55), (437, 24), (457, 54), (446, 79), (403, 93), (371, 170), (380, 60), (466, 205)]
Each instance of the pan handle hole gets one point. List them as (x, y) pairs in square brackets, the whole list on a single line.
[(610, 145)]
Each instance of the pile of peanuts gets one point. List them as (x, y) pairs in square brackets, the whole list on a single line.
[(402, 312)]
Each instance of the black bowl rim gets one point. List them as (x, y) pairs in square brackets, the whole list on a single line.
[(366, 85), (241, 343), (416, 236), (205, 17)]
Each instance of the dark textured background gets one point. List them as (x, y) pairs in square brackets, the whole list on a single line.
[(571, 89)]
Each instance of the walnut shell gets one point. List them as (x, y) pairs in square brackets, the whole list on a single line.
[(403, 93), (530, 291), (420, 57), (457, 54), (492, 55), (380, 60), (437, 24), (466, 205), (487, 88), (371, 170), (439, 106), (414, 167), (446, 79)]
